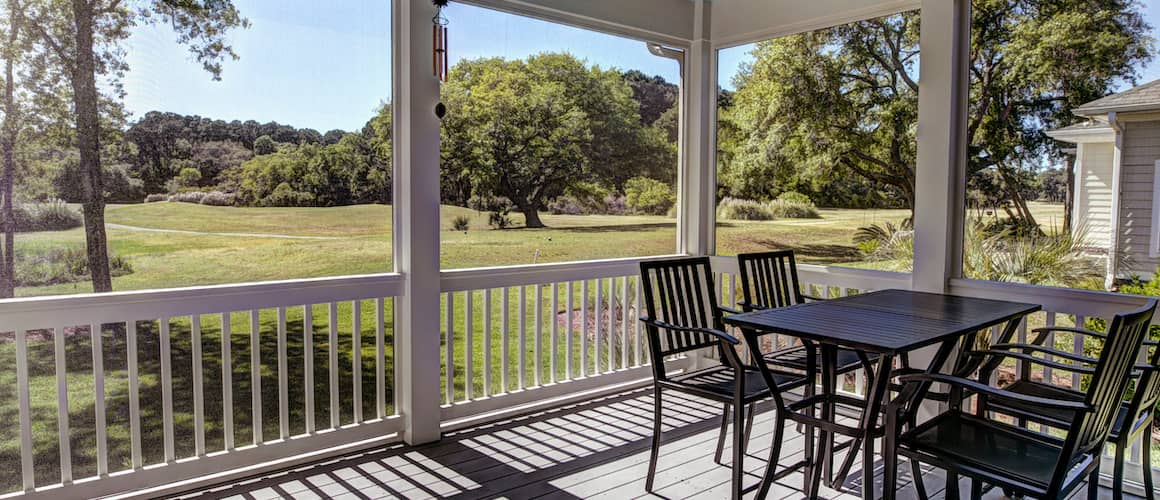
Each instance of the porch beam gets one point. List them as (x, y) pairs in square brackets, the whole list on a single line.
[(940, 174), (416, 132)]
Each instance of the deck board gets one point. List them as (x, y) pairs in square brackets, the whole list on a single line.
[(595, 449)]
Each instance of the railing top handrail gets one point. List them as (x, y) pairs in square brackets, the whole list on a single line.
[(480, 278)]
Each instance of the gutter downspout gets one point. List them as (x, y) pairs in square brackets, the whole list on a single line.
[(1114, 234)]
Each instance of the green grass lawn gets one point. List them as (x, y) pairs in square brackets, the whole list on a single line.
[(214, 245)]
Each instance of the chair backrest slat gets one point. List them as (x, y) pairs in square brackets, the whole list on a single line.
[(679, 292), (1147, 393), (1106, 391), (770, 279)]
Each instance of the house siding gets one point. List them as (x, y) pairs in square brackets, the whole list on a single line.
[(1094, 203), (1141, 150)]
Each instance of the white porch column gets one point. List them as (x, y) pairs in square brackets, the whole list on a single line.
[(698, 172), (416, 132), (940, 175)]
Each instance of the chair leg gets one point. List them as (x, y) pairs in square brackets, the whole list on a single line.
[(656, 440), (976, 489), (1118, 478), (749, 425), (1146, 444), (774, 456), (1094, 482), (919, 485), (721, 435), (738, 449), (952, 490)]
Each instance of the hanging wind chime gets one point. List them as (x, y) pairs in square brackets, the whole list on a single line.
[(439, 55)]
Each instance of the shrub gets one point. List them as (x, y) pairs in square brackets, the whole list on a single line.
[(461, 223), (739, 209), (219, 199), (189, 197), (795, 197), (54, 266), (786, 209), (156, 197), (285, 196), (566, 205), (648, 196), (50, 216), (499, 219)]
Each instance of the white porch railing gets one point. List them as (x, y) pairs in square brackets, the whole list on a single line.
[(132, 390)]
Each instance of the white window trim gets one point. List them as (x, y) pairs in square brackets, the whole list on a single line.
[(1154, 236)]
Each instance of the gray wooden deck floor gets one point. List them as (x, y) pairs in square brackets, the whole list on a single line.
[(596, 449)]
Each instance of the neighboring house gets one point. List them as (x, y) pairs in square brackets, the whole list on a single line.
[(1117, 178)]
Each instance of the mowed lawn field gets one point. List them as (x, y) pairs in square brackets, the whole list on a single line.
[(175, 244)]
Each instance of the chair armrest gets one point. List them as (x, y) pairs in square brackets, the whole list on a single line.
[(980, 388), (751, 307), (728, 310), (1046, 350), (1038, 361), (813, 298), (707, 331), (1085, 331)]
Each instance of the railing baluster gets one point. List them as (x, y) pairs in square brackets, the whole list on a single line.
[(449, 348), (568, 332), (332, 366), (283, 379), (624, 322), (380, 358), (487, 333), (468, 347), (356, 359), (227, 385), (555, 343), (166, 391), (99, 399), (505, 324), (523, 337), (198, 385), (611, 363), (638, 340), (134, 395), (598, 316), (1077, 346), (537, 343), (1047, 375), (22, 390), (256, 376), (308, 364), (584, 328), (63, 434)]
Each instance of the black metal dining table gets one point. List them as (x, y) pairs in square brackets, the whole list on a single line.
[(885, 325)]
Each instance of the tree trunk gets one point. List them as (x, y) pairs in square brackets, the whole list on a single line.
[(532, 217), (1069, 194), (7, 145), (85, 98), (1016, 197)]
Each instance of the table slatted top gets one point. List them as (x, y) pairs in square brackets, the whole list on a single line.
[(886, 321)]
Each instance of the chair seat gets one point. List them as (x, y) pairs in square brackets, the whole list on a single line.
[(717, 383), (966, 441), (796, 358), (1055, 417)]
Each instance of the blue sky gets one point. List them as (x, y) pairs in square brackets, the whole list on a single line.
[(326, 65)]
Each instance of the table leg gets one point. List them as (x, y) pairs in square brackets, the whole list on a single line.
[(826, 443), (870, 422), (810, 390)]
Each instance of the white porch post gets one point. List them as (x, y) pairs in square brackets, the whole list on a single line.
[(416, 133), (940, 175), (698, 171)]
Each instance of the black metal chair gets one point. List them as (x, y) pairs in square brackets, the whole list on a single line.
[(1134, 419), (1009, 456), (683, 316), (770, 280)]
